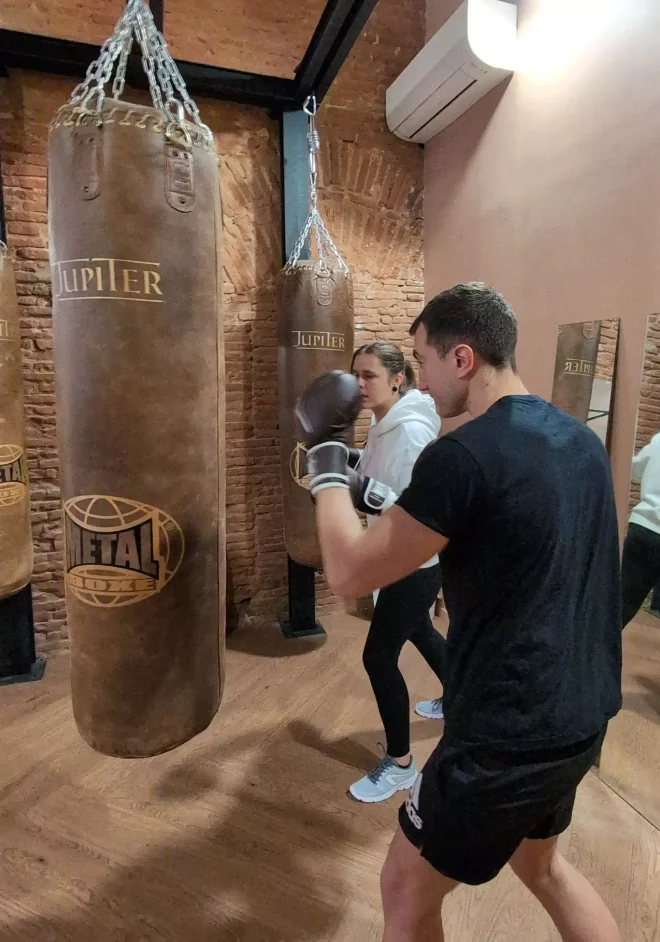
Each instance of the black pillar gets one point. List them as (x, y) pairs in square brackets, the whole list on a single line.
[(301, 621), (18, 661)]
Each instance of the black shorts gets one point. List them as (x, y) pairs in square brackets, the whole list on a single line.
[(472, 806)]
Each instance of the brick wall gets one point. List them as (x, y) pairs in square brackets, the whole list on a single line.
[(609, 332), (372, 200)]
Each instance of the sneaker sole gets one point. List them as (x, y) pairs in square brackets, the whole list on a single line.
[(390, 794), (429, 716)]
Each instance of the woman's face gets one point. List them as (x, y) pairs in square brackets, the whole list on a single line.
[(376, 385)]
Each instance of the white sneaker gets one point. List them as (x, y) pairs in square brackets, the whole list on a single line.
[(385, 780), (431, 709)]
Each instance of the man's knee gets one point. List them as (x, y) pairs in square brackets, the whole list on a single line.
[(534, 862), (412, 890)]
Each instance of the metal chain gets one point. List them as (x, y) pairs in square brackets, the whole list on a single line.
[(162, 72), (314, 222)]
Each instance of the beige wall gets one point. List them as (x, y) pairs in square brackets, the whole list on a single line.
[(550, 188)]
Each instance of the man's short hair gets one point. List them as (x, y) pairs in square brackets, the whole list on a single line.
[(476, 314)]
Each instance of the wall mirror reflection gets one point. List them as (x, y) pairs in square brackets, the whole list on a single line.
[(585, 367), (630, 761)]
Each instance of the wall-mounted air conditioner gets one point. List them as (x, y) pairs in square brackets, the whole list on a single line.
[(472, 53)]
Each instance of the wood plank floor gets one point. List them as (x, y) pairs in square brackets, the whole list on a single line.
[(246, 834), (630, 763)]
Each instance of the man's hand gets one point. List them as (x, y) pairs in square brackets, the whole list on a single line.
[(327, 411), (328, 408)]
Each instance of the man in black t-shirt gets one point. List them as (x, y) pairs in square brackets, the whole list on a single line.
[(519, 501)]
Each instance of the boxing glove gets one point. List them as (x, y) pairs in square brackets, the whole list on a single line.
[(328, 408), (354, 457), (369, 496)]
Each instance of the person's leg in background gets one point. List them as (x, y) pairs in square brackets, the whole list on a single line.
[(640, 569), (428, 640), (400, 610), (572, 903)]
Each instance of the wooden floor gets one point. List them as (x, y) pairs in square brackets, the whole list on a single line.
[(630, 763), (247, 834)]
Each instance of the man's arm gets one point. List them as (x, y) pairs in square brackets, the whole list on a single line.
[(356, 560)]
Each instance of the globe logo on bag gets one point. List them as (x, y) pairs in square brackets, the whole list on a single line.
[(13, 475), (298, 466), (119, 551)]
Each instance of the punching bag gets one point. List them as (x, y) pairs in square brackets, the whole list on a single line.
[(315, 335), (15, 533), (575, 367), (135, 230)]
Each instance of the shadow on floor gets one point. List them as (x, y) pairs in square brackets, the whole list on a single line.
[(360, 750), (255, 863), (271, 643)]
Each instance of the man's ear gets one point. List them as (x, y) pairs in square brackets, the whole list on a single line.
[(465, 359)]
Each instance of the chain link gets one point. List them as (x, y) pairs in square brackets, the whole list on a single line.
[(314, 222), (162, 72)]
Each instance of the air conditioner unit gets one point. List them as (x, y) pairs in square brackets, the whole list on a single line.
[(472, 53)]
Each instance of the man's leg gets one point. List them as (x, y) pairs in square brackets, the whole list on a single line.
[(413, 894), (571, 902)]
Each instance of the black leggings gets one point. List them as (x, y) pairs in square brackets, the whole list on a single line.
[(640, 569), (402, 614)]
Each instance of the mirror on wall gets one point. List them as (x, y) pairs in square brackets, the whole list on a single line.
[(585, 367), (630, 760)]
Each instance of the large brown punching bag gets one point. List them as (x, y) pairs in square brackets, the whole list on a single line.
[(315, 335), (15, 535), (135, 230), (575, 367)]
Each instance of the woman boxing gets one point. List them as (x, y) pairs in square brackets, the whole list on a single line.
[(403, 423)]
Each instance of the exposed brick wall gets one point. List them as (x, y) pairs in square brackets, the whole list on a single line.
[(370, 195), (648, 414), (609, 331)]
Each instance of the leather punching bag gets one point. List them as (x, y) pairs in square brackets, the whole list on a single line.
[(135, 231), (15, 534), (315, 334), (575, 367)]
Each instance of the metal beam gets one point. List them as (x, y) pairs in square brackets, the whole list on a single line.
[(66, 57), (325, 35), (301, 619), (339, 28), (340, 25)]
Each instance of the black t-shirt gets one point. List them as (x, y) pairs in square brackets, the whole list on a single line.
[(524, 495)]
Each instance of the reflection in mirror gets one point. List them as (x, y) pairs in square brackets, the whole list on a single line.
[(630, 762), (584, 373)]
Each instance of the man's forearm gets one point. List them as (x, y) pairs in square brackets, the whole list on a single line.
[(339, 530)]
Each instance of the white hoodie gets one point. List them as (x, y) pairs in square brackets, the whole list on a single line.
[(395, 443), (646, 473)]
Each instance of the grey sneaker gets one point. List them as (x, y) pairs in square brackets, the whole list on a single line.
[(385, 780), (431, 709)]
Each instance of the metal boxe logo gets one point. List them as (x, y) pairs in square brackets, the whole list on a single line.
[(298, 466), (13, 475), (119, 551)]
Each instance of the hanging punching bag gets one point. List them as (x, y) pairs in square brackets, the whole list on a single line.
[(315, 335), (575, 367), (15, 534), (135, 227)]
